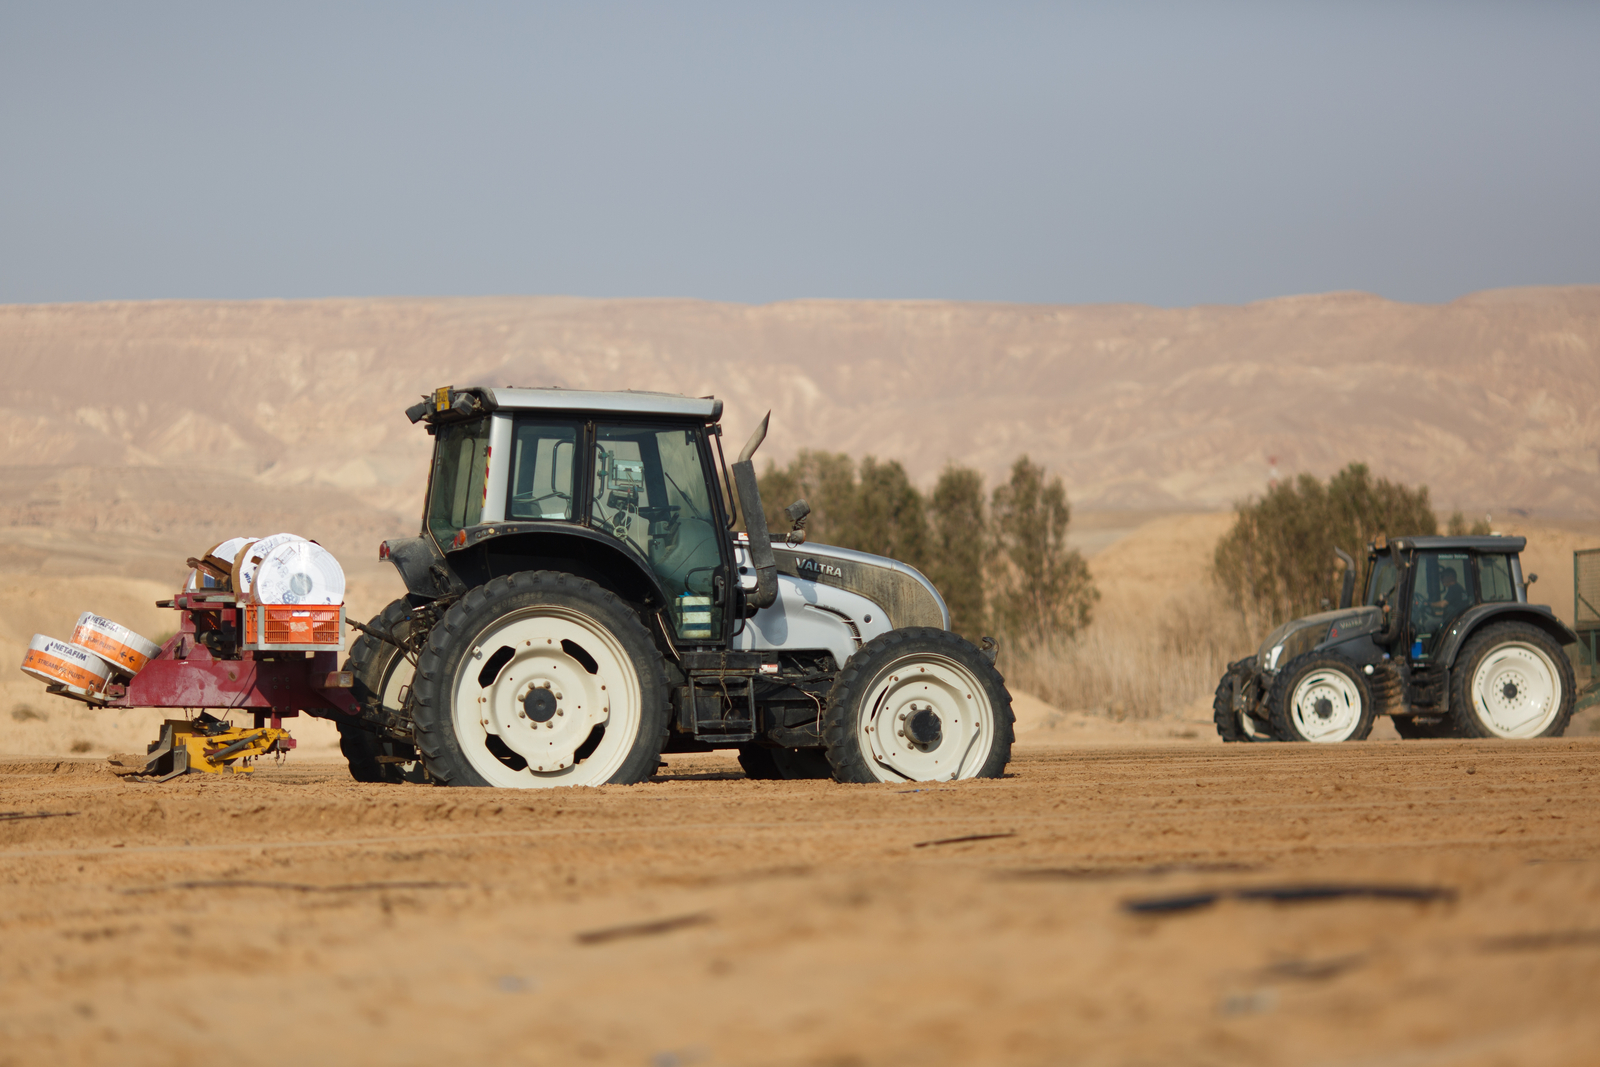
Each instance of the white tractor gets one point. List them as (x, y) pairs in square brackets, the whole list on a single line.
[(578, 603)]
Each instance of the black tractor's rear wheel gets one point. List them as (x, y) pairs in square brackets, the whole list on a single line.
[(382, 672), (1512, 681), (918, 704), (540, 679)]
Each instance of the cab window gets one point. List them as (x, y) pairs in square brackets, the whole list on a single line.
[(1380, 586), (1444, 587), (651, 490), (455, 490), (1494, 579), (541, 471)]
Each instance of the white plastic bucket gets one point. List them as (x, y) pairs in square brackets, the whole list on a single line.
[(125, 650), (53, 661)]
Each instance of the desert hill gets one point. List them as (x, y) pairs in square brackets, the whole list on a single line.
[(1492, 400)]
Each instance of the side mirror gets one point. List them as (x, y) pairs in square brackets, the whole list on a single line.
[(796, 514), (1530, 580), (1391, 627)]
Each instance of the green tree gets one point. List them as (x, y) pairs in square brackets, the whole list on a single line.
[(890, 518), (959, 531), (826, 481), (1278, 561), (1042, 587)]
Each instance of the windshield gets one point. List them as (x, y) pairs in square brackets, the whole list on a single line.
[(652, 490), (455, 492)]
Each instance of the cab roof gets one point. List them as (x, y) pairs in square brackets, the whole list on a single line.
[(1480, 543), (624, 402)]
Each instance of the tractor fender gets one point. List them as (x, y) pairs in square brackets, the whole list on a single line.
[(423, 568), (494, 549), (491, 550), (1475, 618)]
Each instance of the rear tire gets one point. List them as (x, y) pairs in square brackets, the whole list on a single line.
[(1322, 698), (917, 705), (1512, 681), (540, 679), (381, 671)]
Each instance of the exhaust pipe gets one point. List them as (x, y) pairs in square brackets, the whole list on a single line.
[(755, 520), (1347, 593)]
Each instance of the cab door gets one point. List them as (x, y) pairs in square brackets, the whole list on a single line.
[(651, 490)]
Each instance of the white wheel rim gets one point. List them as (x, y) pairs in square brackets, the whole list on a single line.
[(1516, 691), (543, 703), (896, 713), (1326, 706)]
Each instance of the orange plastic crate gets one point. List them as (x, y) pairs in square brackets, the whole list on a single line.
[(293, 626)]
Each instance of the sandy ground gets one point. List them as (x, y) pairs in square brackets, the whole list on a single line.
[(701, 918)]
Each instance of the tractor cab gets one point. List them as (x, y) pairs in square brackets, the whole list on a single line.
[(1426, 585), (620, 484)]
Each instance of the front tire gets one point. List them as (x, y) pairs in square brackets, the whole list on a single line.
[(540, 679), (1322, 698), (1512, 681), (918, 705), (1236, 725)]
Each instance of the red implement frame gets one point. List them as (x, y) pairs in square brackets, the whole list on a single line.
[(186, 673)]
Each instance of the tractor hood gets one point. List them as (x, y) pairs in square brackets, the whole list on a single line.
[(1299, 636), (905, 596)]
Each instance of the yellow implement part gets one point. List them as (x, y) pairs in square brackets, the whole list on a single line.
[(211, 747)]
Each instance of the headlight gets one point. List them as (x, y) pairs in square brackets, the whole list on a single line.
[(1273, 655)]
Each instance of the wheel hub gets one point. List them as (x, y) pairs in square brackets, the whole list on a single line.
[(924, 720), (1516, 691), (922, 727), (528, 682), (1326, 706), (539, 704)]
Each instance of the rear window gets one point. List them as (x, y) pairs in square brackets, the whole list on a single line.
[(1494, 578)]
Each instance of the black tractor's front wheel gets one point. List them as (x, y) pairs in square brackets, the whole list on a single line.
[(1233, 724), (918, 704), (1323, 698), (540, 679)]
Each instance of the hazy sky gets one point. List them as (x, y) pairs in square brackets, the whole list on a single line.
[(1161, 153)]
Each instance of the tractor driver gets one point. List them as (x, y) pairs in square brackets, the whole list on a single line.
[(1452, 597)]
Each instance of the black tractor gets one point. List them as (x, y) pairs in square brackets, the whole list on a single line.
[(1446, 643)]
